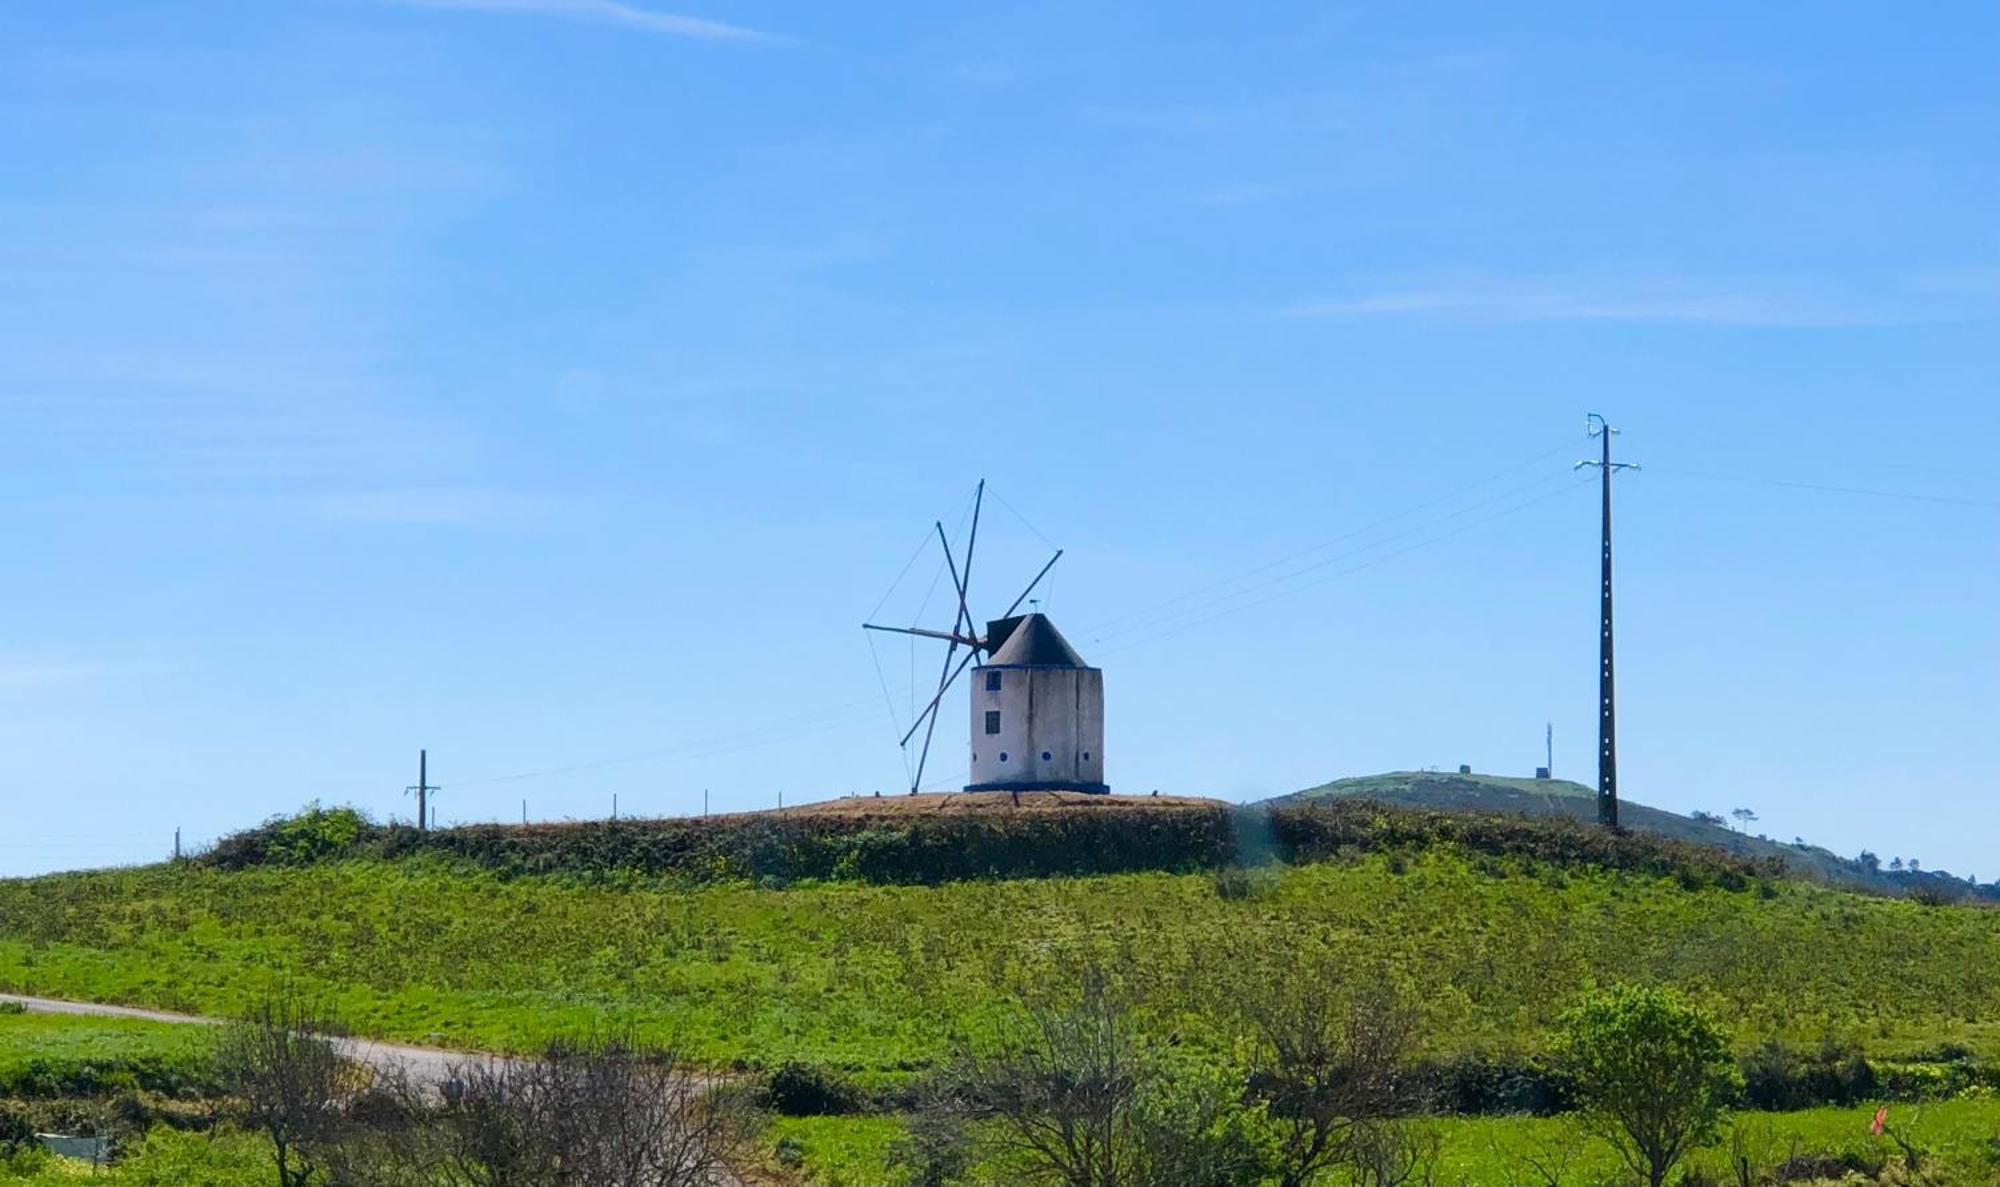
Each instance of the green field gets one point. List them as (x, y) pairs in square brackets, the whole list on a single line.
[(44, 1056), (874, 983), (875, 979), (1962, 1138), (1474, 792)]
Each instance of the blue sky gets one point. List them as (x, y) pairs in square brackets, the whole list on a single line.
[(557, 384)]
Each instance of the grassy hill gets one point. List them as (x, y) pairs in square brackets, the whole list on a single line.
[(1561, 797), (855, 943), (875, 978)]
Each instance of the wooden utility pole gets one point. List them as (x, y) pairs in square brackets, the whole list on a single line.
[(423, 787), (1607, 701)]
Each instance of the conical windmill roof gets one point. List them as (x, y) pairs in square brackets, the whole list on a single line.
[(1030, 640)]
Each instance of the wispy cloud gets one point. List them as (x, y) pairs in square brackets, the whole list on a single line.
[(22, 674), (435, 506), (1714, 303), (612, 12)]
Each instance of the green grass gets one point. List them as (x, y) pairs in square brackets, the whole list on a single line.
[(1960, 1136), (833, 1151), (875, 979), (54, 1055), (1454, 792), (164, 1158)]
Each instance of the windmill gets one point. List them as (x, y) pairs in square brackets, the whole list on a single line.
[(1039, 729)]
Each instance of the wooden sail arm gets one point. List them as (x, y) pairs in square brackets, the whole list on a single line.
[(972, 641)]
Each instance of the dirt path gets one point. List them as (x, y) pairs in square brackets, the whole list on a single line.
[(429, 1065), (426, 1065)]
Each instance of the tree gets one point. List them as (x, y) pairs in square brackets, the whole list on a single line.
[(1652, 1073), (1330, 1058), (1868, 861), (1702, 817), (288, 1082), (1073, 1098), (1744, 819), (588, 1112)]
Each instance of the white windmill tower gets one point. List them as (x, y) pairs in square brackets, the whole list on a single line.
[(1037, 708)]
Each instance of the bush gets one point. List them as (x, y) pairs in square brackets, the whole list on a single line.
[(1778, 1077), (1652, 1074), (16, 1130), (315, 834), (799, 1089), (1480, 1085)]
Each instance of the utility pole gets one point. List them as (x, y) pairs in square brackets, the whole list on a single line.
[(423, 787), (1549, 741), (177, 844), (1607, 702)]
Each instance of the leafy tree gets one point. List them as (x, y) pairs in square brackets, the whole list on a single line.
[(1652, 1074), (1868, 861), (1744, 819)]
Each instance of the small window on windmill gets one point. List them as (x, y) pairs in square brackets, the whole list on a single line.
[(992, 682), (993, 721)]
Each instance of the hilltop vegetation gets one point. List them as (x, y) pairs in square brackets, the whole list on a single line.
[(977, 837), (1568, 800)]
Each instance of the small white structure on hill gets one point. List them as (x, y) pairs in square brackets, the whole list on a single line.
[(1037, 712)]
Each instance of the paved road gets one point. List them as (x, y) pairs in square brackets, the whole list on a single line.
[(429, 1065)]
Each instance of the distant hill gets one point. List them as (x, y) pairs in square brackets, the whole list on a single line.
[(1547, 797)]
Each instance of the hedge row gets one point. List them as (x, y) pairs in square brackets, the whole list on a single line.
[(1099, 839)]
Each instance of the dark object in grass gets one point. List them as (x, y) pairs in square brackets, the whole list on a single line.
[(797, 1089)]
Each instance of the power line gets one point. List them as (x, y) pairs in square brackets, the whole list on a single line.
[(1567, 444), (1144, 623), (827, 718), (1365, 565), (1760, 480)]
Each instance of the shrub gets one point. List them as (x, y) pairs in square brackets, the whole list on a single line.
[(16, 1130), (1778, 1077), (797, 1089), (1479, 1085), (1652, 1074)]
